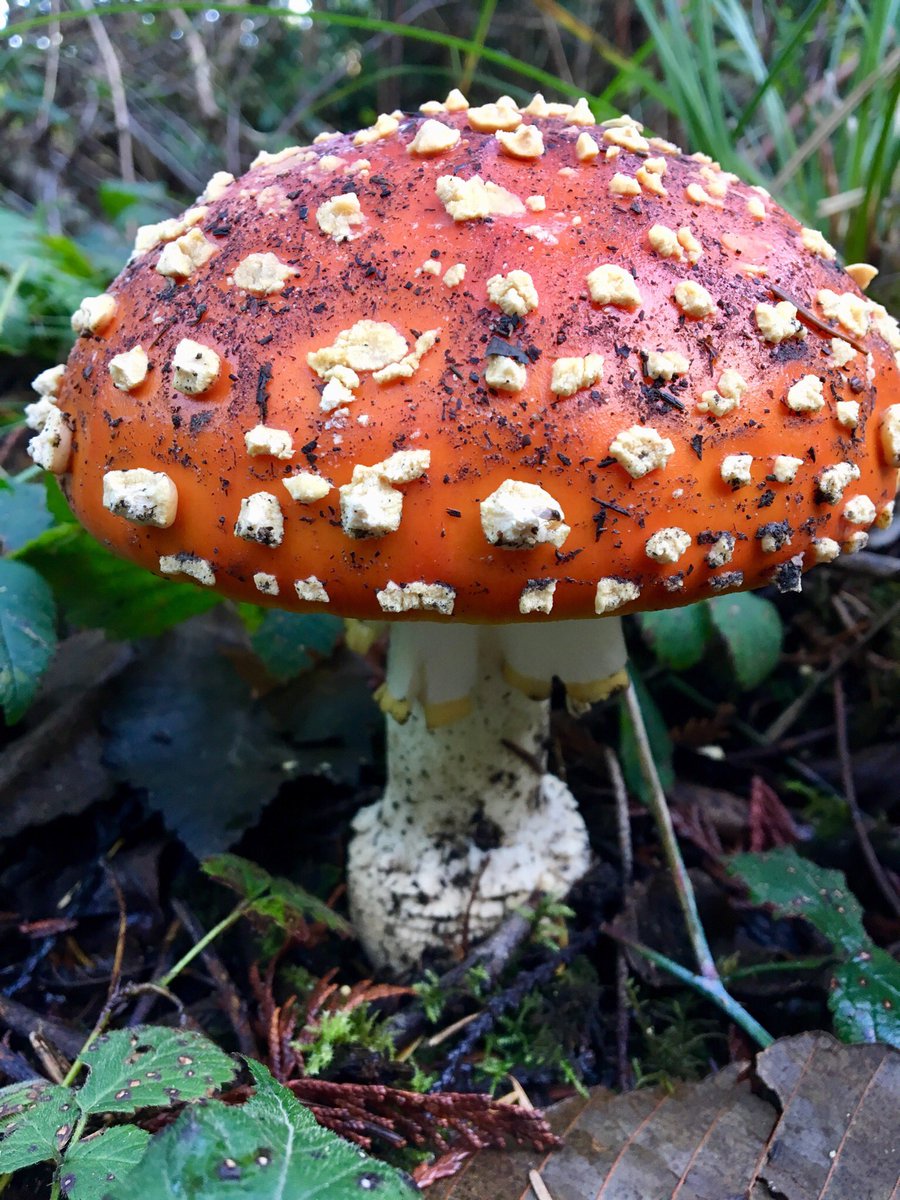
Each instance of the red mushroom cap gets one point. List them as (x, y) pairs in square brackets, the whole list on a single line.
[(491, 363)]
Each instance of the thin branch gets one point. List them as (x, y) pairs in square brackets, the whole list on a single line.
[(200, 62), (834, 120), (626, 857), (117, 90), (663, 818), (51, 75), (782, 724), (843, 748)]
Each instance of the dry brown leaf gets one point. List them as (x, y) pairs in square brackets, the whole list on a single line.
[(835, 1138), (839, 1134)]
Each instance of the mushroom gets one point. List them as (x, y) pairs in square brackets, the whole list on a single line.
[(486, 377)]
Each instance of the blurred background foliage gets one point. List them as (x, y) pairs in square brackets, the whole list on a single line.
[(114, 113)]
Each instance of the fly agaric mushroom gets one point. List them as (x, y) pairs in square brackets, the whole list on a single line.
[(486, 374)]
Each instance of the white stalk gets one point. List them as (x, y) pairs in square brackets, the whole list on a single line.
[(470, 823)]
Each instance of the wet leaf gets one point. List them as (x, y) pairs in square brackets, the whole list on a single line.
[(835, 1136), (864, 996), (96, 590), (151, 1067), (795, 887), (276, 900), (270, 1149), (109, 1156), (27, 636), (751, 629), (700, 1142), (36, 1121), (185, 726), (677, 636)]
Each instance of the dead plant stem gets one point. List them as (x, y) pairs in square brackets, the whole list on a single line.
[(843, 748)]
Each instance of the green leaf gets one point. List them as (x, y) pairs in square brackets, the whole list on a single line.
[(240, 874), (99, 591), (62, 253), (23, 513), (151, 1067), (865, 998), (27, 635), (796, 887), (57, 504), (751, 629), (142, 203), (271, 1149), (677, 636), (108, 1157), (660, 744), (276, 900), (291, 643), (36, 1122)]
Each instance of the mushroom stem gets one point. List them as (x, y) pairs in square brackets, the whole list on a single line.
[(470, 823)]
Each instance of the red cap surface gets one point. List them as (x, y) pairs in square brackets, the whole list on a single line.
[(489, 363)]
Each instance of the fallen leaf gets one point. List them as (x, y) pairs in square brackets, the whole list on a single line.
[(837, 1137), (834, 1139)]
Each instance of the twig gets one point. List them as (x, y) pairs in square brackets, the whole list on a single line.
[(540, 1189), (527, 981), (843, 749), (663, 818), (231, 999), (708, 981), (712, 989), (878, 566), (811, 319), (752, 735), (885, 70), (233, 917), (119, 956), (491, 956), (142, 1009), (116, 88), (24, 1020), (51, 75), (200, 63), (626, 855), (782, 724), (306, 100)]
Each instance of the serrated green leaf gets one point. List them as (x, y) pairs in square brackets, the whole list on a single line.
[(865, 998), (27, 635), (272, 898), (751, 629), (795, 887), (240, 874), (99, 591), (92, 1166), (36, 1122), (660, 744), (290, 643), (271, 1149), (151, 1067), (23, 513), (677, 636)]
